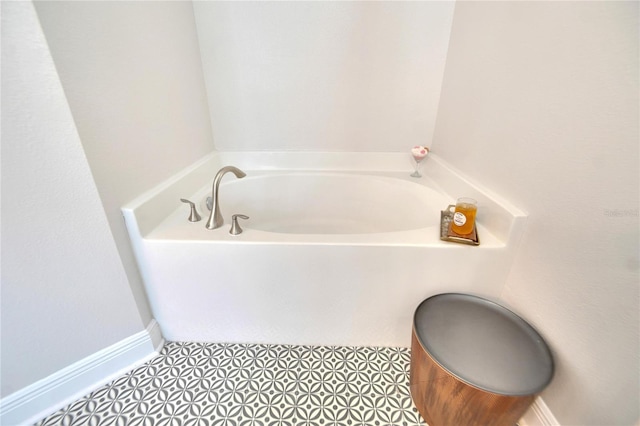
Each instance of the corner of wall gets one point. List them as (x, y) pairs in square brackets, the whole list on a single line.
[(538, 415), (44, 397)]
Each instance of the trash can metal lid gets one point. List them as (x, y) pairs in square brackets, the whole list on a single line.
[(484, 344)]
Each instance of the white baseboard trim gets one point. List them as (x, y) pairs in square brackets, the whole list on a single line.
[(48, 395), (538, 415)]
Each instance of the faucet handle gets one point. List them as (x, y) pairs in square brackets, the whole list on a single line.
[(193, 215), (235, 227)]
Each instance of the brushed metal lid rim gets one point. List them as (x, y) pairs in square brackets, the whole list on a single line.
[(500, 383)]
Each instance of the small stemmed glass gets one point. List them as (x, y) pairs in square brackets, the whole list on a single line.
[(418, 153)]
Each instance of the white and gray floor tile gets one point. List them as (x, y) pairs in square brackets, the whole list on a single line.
[(191, 384)]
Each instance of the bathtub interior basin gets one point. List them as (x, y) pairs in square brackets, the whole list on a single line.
[(328, 203)]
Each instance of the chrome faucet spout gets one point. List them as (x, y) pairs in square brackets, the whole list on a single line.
[(215, 218)]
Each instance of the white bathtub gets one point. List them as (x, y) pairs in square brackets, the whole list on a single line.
[(327, 257)]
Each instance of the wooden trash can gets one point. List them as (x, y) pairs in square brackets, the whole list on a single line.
[(474, 362)]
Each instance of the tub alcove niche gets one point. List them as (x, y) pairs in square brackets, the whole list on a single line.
[(341, 243)]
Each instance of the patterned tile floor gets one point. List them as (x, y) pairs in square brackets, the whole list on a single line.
[(254, 385)]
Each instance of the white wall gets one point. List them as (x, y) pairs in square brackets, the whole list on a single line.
[(540, 104), (323, 76), (65, 294), (132, 75)]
